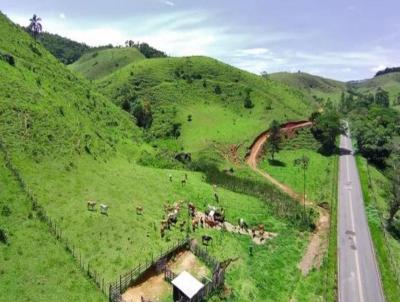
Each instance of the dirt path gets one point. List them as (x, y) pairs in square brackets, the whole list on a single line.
[(318, 243)]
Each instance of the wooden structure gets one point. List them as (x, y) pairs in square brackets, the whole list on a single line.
[(186, 288)]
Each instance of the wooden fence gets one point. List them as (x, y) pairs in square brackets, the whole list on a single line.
[(54, 229), (129, 278)]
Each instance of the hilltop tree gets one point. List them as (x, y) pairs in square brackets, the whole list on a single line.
[(248, 103), (274, 139), (35, 27), (382, 98)]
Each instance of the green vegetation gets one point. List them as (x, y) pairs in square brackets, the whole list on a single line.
[(71, 144), (95, 65), (64, 49), (198, 86), (34, 266), (314, 87), (319, 171), (375, 188), (148, 51), (274, 139)]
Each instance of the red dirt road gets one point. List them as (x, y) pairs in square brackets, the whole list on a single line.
[(318, 243)]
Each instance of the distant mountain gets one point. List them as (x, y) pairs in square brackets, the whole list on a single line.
[(98, 64), (311, 85)]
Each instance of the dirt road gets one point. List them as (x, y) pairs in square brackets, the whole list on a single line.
[(318, 243)]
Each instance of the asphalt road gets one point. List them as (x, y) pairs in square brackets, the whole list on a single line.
[(359, 278)]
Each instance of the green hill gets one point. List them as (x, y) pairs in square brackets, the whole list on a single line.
[(98, 64), (204, 98), (313, 86), (388, 81)]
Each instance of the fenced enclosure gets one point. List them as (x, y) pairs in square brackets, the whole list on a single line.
[(117, 288)]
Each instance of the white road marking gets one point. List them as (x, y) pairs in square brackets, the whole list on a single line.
[(360, 290), (348, 168)]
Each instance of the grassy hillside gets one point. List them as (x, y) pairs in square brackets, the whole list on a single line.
[(205, 99), (46, 111), (34, 266), (389, 82), (95, 65), (313, 86)]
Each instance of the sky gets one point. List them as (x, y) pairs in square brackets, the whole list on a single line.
[(339, 39)]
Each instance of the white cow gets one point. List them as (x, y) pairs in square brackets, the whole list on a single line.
[(104, 209)]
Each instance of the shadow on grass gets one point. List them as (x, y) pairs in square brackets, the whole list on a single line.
[(275, 162)]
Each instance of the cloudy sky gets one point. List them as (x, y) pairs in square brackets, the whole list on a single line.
[(341, 39)]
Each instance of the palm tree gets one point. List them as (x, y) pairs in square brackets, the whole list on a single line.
[(35, 27)]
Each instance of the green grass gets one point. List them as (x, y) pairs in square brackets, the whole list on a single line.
[(95, 65), (35, 266), (71, 145), (179, 87), (318, 174), (387, 249), (389, 82), (311, 85)]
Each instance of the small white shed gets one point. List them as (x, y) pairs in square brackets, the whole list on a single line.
[(186, 287)]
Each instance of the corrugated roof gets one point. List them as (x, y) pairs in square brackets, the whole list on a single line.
[(187, 284)]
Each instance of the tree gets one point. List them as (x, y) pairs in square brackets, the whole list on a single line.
[(265, 75), (394, 204), (382, 98), (303, 163), (217, 89), (326, 128), (142, 113), (247, 101), (274, 139), (35, 27)]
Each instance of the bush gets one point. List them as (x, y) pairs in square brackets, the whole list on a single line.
[(3, 236), (248, 103), (8, 58), (189, 118), (217, 89), (5, 211)]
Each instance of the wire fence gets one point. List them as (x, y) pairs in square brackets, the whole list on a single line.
[(54, 228)]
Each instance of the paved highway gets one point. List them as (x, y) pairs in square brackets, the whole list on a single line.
[(359, 278)]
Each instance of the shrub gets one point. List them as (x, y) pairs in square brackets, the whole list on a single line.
[(5, 211), (3, 236), (217, 89), (189, 118), (8, 58)]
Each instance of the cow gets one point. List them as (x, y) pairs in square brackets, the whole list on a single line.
[(104, 209), (243, 224), (91, 205), (205, 239), (139, 210)]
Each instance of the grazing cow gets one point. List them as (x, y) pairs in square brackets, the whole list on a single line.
[(205, 239), (139, 210), (192, 209), (243, 224), (104, 209), (91, 205), (195, 224)]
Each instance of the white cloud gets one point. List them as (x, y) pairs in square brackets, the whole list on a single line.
[(253, 51), (378, 68), (170, 3), (62, 16)]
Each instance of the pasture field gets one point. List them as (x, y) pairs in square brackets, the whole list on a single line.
[(115, 243), (387, 248), (34, 265), (319, 173), (95, 65)]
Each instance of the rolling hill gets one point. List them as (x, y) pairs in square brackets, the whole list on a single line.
[(70, 143), (389, 82), (204, 98), (311, 85), (95, 65)]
